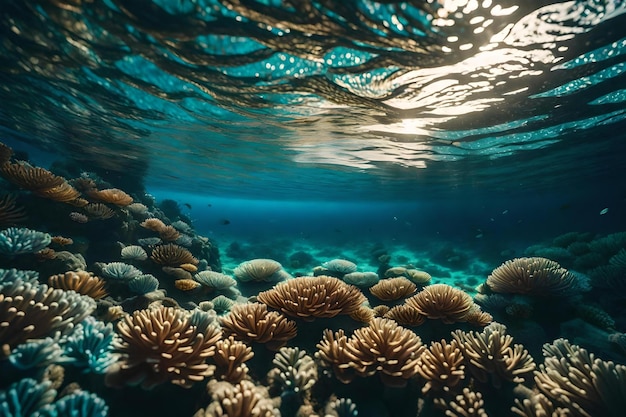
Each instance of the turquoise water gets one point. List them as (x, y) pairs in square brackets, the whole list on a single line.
[(447, 137)]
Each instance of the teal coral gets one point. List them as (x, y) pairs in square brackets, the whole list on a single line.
[(120, 270), (36, 353), (143, 284), (90, 346), (16, 241), (78, 404), (10, 275), (25, 397)]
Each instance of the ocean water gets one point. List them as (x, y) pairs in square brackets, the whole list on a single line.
[(479, 143)]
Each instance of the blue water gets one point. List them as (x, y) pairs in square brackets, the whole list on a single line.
[(447, 136)]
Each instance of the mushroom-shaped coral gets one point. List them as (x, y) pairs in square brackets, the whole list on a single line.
[(258, 270), (391, 289), (110, 196), (134, 253), (311, 297), (253, 323), (172, 255), (163, 344), (31, 311), (19, 240), (575, 379), (442, 302), (340, 266), (82, 282), (213, 279), (535, 276), (490, 354)]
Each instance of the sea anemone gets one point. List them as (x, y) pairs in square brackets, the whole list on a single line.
[(16, 241), (172, 255), (230, 357), (391, 289), (252, 322), (535, 276), (258, 270), (239, 400), (441, 365), (382, 348), (442, 302), (31, 311), (82, 282), (573, 378), (90, 346), (162, 344), (491, 355), (311, 297)]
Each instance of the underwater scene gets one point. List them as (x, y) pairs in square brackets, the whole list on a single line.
[(312, 208)]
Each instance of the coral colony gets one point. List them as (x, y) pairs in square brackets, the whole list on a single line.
[(110, 307)]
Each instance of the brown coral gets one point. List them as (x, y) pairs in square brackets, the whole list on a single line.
[(363, 314), (186, 284), (31, 311), (253, 323), (63, 193), (30, 178), (442, 302), (172, 255), (534, 276), (406, 315), (110, 196), (98, 211), (153, 224), (10, 213), (441, 365), (5, 153), (169, 234), (163, 344), (239, 400), (311, 297), (491, 355), (391, 289), (82, 282), (257, 270), (467, 404), (230, 357), (382, 348), (573, 378)]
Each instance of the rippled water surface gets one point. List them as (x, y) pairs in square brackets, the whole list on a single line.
[(332, 99)]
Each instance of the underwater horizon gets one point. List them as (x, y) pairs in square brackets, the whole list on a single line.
[(312, 208)]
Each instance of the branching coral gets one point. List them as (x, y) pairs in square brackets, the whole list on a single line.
[(573, 378), (239, 400), (230, 357), (491, 355), (253, 323), (90, 346), (535, 276), (443, 302), (172, 255), (467, 404), (383, 347), (441, 365), (163, 344), (391, 289), (82, 282), (16, 241), (258, 270), (311, 297), (31, 311), (294, 371)]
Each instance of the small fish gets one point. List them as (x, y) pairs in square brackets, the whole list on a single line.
[(395, 218), (478, 236), (187, 205), (224, 222), (505, 212), (604, 211)]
